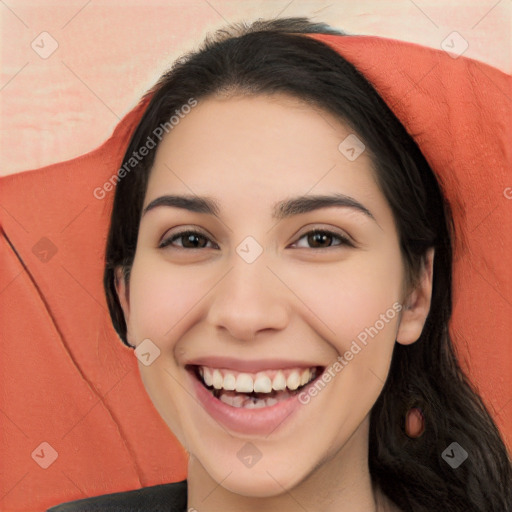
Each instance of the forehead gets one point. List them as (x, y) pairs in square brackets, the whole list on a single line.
[(251, 148)]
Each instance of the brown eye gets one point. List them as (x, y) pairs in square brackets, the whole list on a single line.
[(322, 239), (190, 240)]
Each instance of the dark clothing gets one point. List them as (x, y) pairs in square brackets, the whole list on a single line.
[(158, 498)]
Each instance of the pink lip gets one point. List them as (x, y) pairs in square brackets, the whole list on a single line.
[(253, 366), (262, 421)]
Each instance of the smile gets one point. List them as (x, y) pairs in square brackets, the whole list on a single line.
[(251, 402), (255, 390), (252, 397)]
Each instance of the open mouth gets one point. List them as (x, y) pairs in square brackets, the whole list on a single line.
[(254, 390)]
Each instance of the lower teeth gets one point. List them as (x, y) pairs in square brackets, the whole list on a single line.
[(246, 401)]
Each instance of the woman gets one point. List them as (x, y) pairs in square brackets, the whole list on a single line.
[(280, 256)]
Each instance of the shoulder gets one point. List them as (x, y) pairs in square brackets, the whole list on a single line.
[(159, 498)]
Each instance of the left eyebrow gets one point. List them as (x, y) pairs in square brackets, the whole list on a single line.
[(281, 210), (304, 204)]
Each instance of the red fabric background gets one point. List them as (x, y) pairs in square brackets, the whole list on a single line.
[(68, 381)]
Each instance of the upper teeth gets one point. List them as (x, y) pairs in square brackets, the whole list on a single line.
[(261, 382)]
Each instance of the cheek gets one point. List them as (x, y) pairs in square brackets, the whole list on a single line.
[(359, 302), (357, 299), (163, 307), (162, 299)]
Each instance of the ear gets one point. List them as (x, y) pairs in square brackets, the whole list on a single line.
[(417, 304), (123, 294)]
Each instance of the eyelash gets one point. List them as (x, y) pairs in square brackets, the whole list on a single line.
[(343, 239)]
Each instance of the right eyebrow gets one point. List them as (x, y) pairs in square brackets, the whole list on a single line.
[(191, 203)]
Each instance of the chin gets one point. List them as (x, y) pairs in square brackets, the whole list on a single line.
[(261, 485)]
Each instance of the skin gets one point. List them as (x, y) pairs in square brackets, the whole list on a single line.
[(294, 301)]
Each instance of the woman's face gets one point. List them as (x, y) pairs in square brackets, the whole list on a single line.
[(255, 299)]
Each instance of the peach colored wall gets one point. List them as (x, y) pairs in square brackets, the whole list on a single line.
[(56, 106)]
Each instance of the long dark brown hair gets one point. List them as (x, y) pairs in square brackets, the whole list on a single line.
[(275, 57)]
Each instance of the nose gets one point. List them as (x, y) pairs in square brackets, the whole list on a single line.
[(248, 300)]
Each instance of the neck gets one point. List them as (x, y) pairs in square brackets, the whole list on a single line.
[(340, 482)]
